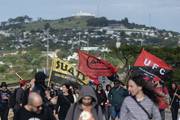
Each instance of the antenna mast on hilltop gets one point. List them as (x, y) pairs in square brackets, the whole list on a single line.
[(98, 8), (149, 19)]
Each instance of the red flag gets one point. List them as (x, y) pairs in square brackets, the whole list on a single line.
[(93, 66), (151, 65), (147, 59)]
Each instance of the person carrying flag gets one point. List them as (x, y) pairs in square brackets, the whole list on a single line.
[(174, 93)]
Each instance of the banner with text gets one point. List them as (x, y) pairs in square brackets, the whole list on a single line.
[(64, 70), (151, 65)]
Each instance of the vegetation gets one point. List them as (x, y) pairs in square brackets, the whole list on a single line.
[(23, 63), (27, 39)]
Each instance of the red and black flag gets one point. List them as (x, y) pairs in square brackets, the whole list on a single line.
[(151, 66), (94, 67)]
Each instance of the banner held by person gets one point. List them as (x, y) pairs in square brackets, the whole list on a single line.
[(94, 67), (151, 66), (65, 70)]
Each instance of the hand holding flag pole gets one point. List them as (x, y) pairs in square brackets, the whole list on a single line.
[(173, 97)]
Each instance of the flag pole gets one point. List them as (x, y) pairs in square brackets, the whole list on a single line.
[(173, 97), (19, 76), (50, 74)]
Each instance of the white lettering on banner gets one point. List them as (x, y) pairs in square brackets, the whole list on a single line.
[(154, 66), (146, 62), (162, 71)]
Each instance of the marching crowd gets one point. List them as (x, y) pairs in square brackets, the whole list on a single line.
[(140, 99)]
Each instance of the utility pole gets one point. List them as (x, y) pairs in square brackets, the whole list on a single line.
[(46, 32), (79, 43), (47, 52)]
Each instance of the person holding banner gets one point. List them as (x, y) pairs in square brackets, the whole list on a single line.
[(142, 104), (174, 93), (162, 90)]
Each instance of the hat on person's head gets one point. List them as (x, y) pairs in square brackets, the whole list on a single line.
[(118, 82), (3, 84), (113, 77), (22, 82), (40, 76)]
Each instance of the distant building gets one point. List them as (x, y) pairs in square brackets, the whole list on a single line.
[(6, 34), (90, 48), (81, 13), (179, 43), (103, 49)]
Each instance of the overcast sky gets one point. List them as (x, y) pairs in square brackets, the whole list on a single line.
[(163, 14)]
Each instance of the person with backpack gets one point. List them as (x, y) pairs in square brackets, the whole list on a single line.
[(86, 108), (116, 97)]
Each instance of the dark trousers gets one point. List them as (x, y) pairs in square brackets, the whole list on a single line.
[(174, 112), (4, 113), (162, 112), (107, 112)]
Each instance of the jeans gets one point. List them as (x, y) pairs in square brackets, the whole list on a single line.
[(114, 112)]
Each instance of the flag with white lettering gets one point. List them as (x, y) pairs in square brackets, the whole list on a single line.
[(151, 65)]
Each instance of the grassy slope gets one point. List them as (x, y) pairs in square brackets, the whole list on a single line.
[(71, 22)]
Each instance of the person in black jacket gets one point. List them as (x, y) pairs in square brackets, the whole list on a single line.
[(64, 102), (174, 93), (39, 85), (101, 96), (20, 95), (34, 109), (4, 101)]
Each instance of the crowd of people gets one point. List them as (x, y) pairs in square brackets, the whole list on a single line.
[(140, 99)]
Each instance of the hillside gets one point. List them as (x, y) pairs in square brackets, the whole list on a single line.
[(72, 32), (23, 42)]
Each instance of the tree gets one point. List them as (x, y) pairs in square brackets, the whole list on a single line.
[(100, 22), (125, 22)]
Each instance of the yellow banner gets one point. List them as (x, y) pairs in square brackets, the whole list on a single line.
[(67, 69)]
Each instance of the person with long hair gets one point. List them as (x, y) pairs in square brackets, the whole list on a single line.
[(64, 101), (107, 104), (142, 104), (4, 101), (174, 93), (101, 96)]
